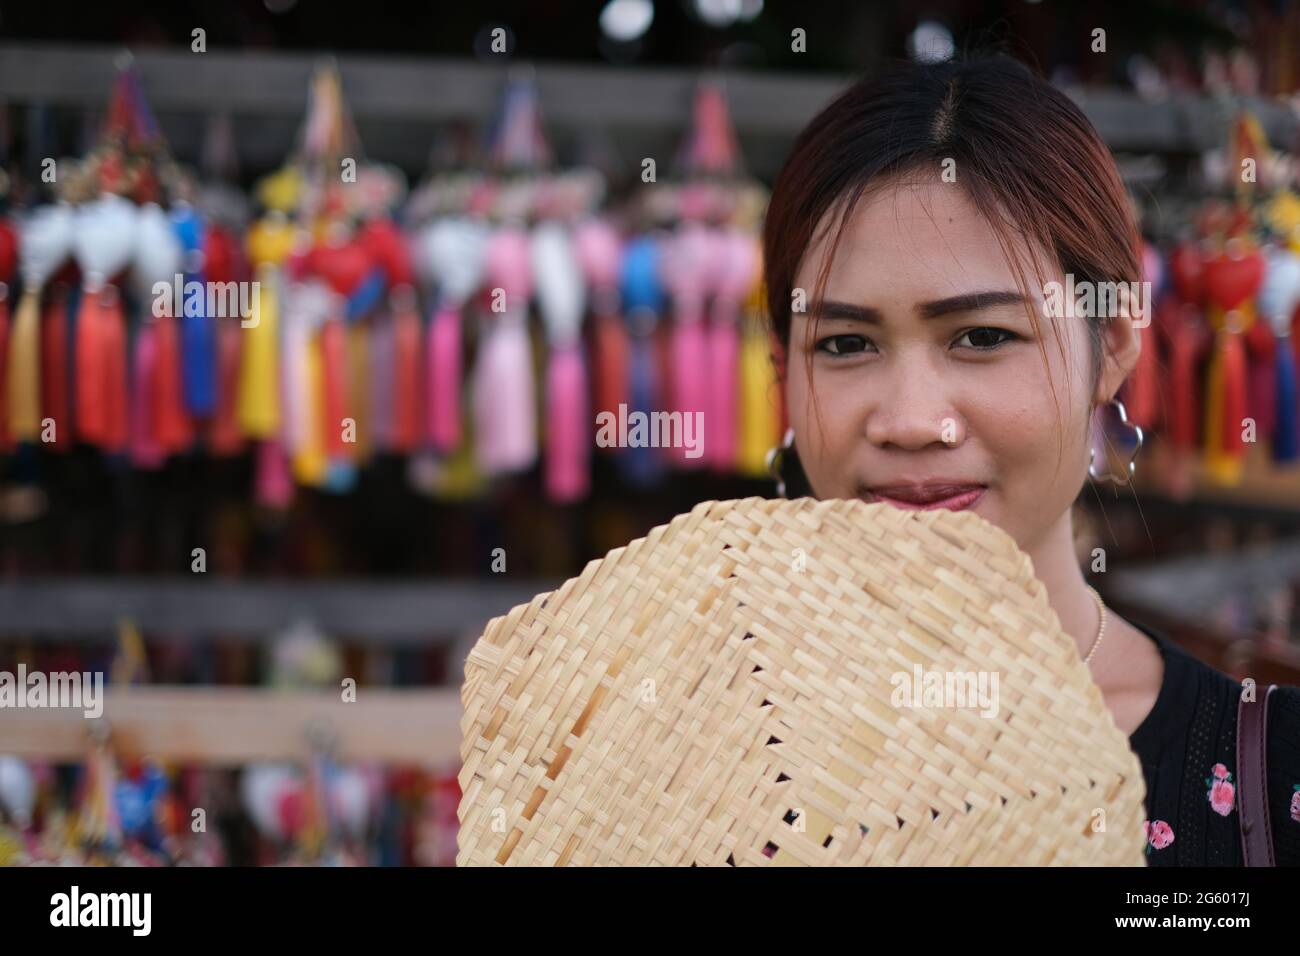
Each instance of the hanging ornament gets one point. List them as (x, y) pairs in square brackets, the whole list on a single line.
[(599, 250), (1231, 280), (454, 251), (561, 299), (643, 301), (104, 244), (505, 410), (47, 241)]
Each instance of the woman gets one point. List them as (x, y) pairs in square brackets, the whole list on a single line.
[(910, 246)]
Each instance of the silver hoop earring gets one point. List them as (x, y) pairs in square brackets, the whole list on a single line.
[(776, 458), (1132, 458)]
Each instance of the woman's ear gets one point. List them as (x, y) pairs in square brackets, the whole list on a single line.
[(1121, 344)]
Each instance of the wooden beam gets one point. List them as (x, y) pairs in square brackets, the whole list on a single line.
[(229, 726)]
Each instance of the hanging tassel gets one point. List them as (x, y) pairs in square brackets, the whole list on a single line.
[(505, 410), (360, 391), (334, 395), (724, 355), (1185, 349), (568, 442), (92, 414), (117, 410), (1261, 381), (382, 393), (444, 379), (758, 411), (225, 437), (505, 418), (406, 375), (690, 371), (609, 349), (1286, 434), (1142, 390), (54, 373), (259, 373), (310, 465), (173, 429), (146, 451), (641, 465), (23, 379), (1226, 397)]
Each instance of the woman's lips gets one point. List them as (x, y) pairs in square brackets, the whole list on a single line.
[(926, 497)]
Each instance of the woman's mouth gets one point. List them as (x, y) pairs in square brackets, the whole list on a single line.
[(926, 496)]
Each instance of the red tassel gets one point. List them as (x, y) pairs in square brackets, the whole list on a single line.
[(54, 370), (145, 450), (406, 379), (1234, 392), (225, 437), (334, 357), (1143, 386), (117, 410), (92, 416), (610, 351), (1184, 389), (1261, 375)]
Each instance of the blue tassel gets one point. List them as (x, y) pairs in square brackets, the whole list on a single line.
[(198, 333), (1286, 440), (641, 466)]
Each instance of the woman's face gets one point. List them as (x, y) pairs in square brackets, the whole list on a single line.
[(927, 373)]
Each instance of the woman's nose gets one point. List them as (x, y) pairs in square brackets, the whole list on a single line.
[(912, 411)]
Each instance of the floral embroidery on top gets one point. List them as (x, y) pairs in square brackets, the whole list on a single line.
[(1295, 804), (1158, 833), (1221, 791)]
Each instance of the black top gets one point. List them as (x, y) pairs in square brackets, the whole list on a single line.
[(1188, 749)]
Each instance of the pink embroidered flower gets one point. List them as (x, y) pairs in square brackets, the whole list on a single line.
[(1159, 834), (1295, 804), (1220, 772), (1221, 797)]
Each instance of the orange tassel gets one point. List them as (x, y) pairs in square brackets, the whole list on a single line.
[(406, 380), (225, 437), (23, 378)]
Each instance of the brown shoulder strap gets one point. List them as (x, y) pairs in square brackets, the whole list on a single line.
[(1252, 780)]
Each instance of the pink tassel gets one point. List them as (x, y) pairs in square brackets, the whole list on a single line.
[(724, 359), (505, 415), (568, 446), (406, 377), (691, 393), (146, 452), (444, 372)]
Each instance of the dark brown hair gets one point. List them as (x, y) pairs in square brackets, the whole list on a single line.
[(1025, 154)]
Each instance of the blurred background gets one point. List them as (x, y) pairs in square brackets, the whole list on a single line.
[(251, 511)]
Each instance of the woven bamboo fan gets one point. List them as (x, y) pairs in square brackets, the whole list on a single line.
[(738, 686)]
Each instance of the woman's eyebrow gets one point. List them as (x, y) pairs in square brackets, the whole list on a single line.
[(966, 302)]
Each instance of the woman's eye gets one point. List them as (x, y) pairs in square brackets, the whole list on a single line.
[(987, 339), (842, 344)]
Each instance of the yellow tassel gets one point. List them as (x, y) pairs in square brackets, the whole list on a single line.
[(259, 371), (309, 464), (24, 378), (759, 412), (1219, 467)]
